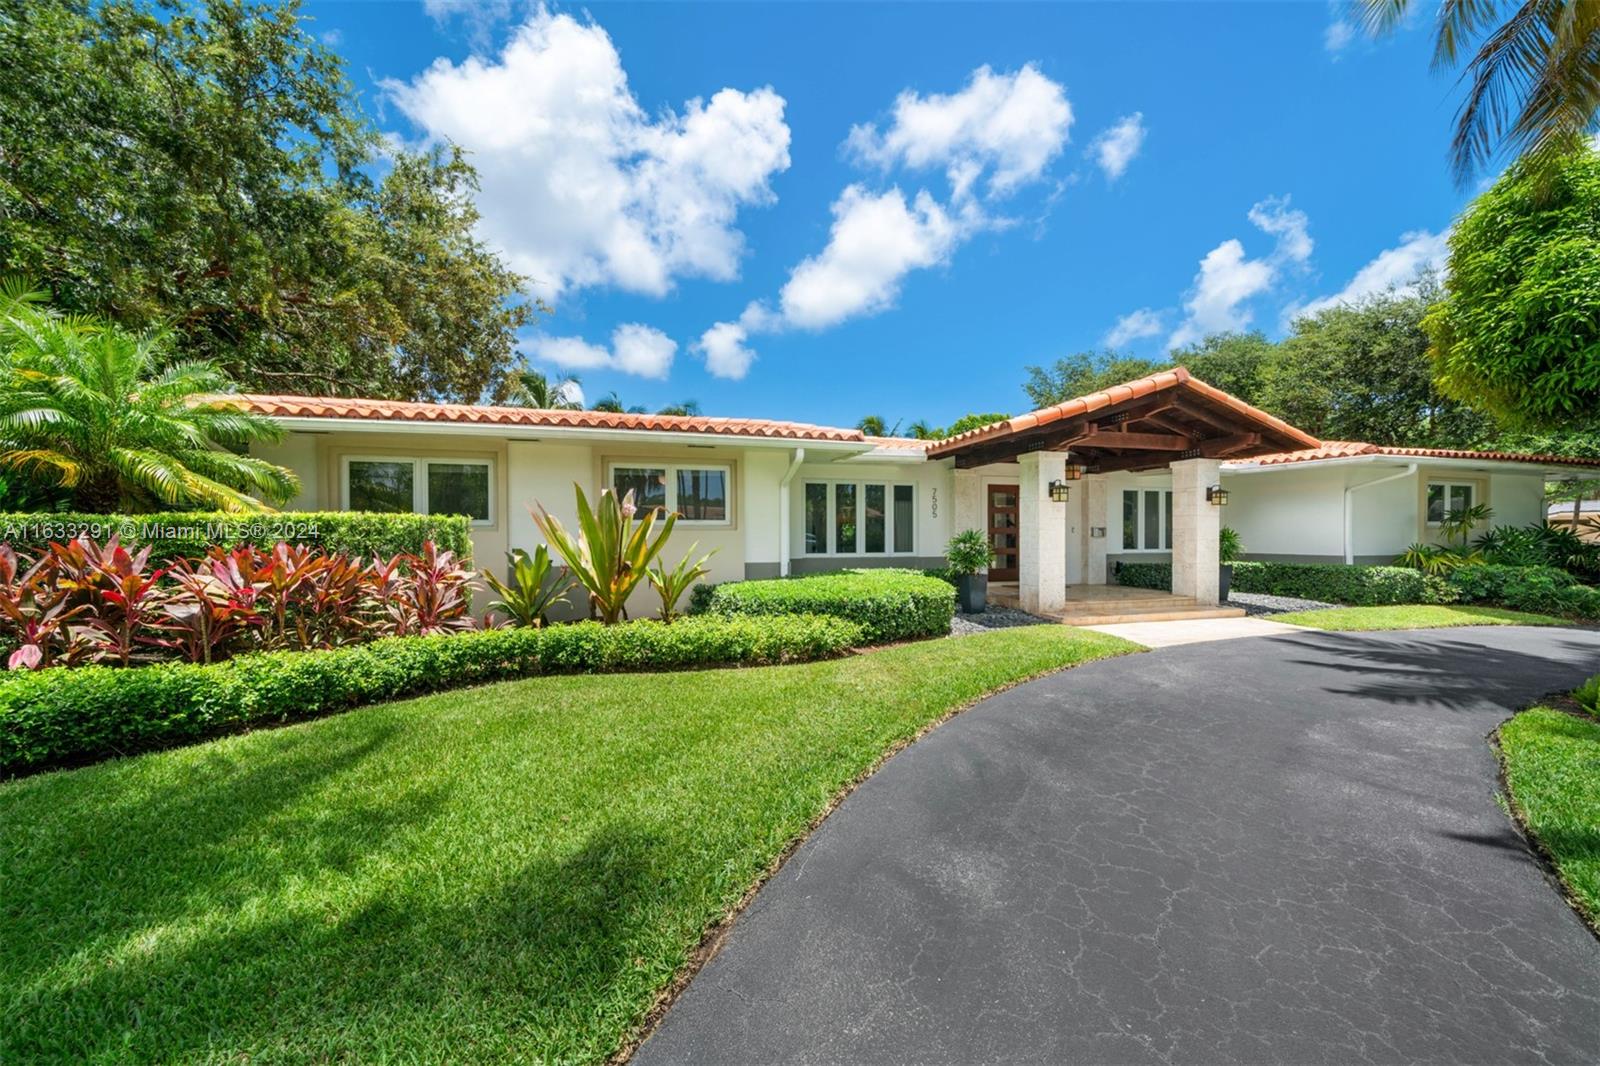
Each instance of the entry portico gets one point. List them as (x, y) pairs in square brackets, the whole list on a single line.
[(1166, 421)]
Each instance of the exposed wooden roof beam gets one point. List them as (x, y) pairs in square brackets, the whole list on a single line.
[(1134, 441), (1220, 447)]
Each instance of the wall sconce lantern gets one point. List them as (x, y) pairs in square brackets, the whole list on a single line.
[(1060, 492), (1074, 471), (1217, 496)]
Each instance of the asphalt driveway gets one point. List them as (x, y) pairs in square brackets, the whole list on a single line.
[(1277, 849)]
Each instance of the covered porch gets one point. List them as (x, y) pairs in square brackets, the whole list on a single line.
[(1039, 485), (1098, 605)]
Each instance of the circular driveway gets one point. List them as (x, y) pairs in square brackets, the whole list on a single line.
[(1281, 849)]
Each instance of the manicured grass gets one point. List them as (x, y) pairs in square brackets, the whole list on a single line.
[(1552, 765), (507, 873), (1413, 616)]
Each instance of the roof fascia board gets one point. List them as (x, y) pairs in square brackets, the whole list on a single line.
[(304, 424), (1508, 466)]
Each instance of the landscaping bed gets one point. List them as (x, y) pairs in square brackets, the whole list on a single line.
[(1550, 759), (510, 873)]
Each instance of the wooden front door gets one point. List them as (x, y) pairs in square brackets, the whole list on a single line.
[(1003, 532)]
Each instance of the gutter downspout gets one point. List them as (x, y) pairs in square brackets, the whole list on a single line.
[(783, 510), (1350, 511)]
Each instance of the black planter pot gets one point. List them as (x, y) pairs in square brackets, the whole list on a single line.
[(972, 593), (1224, 580)]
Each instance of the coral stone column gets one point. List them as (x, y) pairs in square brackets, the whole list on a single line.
[(967, 510), (1196, 526), (1042, 526), (1096, 515)]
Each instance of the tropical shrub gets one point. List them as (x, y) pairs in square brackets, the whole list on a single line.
[(1229, 545), (1539, 544), (55, 717), (672, 584), (969, 552), (611, 554), (530, 590), (173, 535), (888, 604), (1541, 589), (113, 419), (83, 602)]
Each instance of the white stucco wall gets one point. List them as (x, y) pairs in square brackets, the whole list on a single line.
[(1517, 499)]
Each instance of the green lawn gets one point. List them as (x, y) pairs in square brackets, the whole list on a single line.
[(1552, 765), (507, 873), (1413, 616)]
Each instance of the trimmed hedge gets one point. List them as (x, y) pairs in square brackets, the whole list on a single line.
[(57, 716), (188, 534), (1359, 586), (888, 604)]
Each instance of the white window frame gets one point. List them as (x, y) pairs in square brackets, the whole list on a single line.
[(1161, 520), (671, 469), (419, 479), (861, 528), (1470, 486)]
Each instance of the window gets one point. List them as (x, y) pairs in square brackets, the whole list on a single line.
[(419, 486), (696, 494), (851, 518), (1146, 520), (1447, 496)]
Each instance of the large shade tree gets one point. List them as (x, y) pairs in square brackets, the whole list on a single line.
[(1518, 331), (205, 166), (111, 418)]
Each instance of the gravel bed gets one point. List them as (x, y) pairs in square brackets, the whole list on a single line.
[(994, 618), (1256, 603)]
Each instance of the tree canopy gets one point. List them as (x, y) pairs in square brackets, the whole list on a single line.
[(1349, 372), (207, 168), (1518, 330)]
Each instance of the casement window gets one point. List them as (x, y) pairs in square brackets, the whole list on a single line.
[(1447, 496), (858, 518), (389, 484), (1146, 520), (697, 494)]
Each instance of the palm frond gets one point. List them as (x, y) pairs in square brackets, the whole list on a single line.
[(42, 460)]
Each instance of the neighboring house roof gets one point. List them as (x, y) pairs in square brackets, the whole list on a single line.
[(1564, 510), (1348, 449), (475, 414), (1179, 406)]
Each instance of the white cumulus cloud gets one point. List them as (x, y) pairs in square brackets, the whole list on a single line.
[(1001, 130), (580, 186), (1228, 278), (635, 349), (875, 241), (1391, 269), (1009, 126), (1338, 36), (1116, 147), (1134, 325)]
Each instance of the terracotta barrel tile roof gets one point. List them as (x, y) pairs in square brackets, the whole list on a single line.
[(1347, 449), (1178, 377), (456, 413)]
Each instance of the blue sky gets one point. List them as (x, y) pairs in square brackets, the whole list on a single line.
[(894, 209)]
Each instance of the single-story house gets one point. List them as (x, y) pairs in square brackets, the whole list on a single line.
[(1136, 472)]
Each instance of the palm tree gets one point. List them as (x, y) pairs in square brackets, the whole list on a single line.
[(1533, 80), (526, 387), (610, 402), (84, 405), (873, 426), (687, 407), (922, 429)]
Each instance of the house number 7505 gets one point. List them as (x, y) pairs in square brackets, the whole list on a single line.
[(933, 494)]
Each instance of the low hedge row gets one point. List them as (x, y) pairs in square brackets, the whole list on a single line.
[(188, 534), (888, 604), (1360, 586), (1540, 589), (58, 716)]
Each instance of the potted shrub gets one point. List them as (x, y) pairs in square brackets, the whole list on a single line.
[(1229, 548), (969, 555)]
